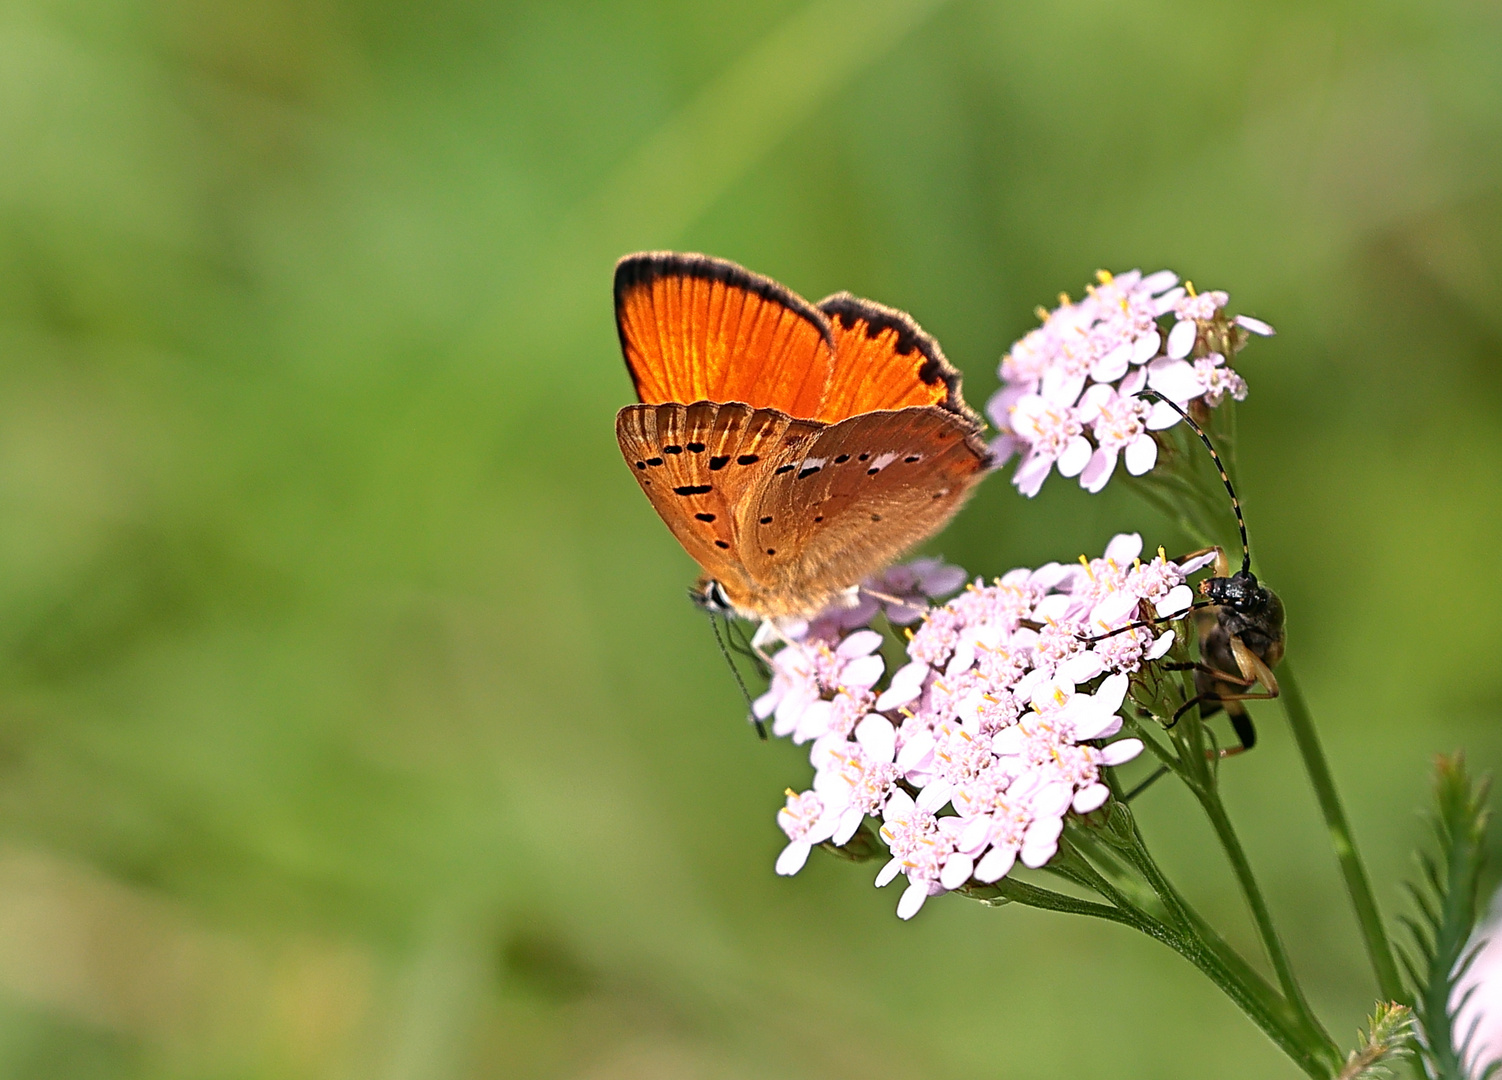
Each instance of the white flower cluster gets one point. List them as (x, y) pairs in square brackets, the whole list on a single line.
[(1070, 389), (977, 748)]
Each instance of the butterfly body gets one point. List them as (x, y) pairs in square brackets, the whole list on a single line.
[(793, 450)]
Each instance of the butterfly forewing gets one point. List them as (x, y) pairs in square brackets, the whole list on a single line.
[(884, 360), (701, 465), (694, 328)]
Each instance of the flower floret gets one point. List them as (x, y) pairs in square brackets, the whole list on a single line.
[(1071, 395)]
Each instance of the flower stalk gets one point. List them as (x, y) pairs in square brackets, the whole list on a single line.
[(1352, 869), (1193, 765), (1225, 832), (1183, 930)]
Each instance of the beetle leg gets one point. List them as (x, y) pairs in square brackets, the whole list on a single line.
[(1222, 564), (1254, 670)]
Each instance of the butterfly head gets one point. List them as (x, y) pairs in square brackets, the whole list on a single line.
[(709, 595)]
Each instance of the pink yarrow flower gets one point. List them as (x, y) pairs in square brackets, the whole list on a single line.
[(806, 822), (1119, 424), (1054, 435), (1477, 1000), (975, 752), (1070, 395), (921, 845), (902, 593), (804, 670), (854, 777)]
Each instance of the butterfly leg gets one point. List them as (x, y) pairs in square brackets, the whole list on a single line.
[(917, 606), (765, 635), (740, 644), (761, 729), (768, 633)]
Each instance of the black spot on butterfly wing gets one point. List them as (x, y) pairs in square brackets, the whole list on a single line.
[(804, 474), (694, 447), (718, 462), (746, 459), (672, 449), (697, 507)]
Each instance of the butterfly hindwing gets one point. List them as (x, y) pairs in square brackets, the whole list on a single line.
[(864, 491)]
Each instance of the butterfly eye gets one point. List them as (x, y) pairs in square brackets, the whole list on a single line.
[(711, 597)]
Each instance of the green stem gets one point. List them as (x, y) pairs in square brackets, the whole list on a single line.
[(1286, 1032), (1243, 971), (1071, 863), (1189, 736), (1010, 890), (1351, 867), (1282, 1029), (1134, 727), (1174, 512), (1219, 820), (1106, 862), (1178, 908), (1292, 1011)]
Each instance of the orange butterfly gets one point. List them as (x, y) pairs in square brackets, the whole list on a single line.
[(793, 449)]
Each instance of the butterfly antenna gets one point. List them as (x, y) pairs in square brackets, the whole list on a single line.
[(761, 729), (1246, 548)]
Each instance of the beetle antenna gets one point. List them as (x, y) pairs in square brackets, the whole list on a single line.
[(1246, 548)]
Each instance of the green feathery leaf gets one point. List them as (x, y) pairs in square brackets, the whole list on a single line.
[(1445, 919), (1388, 1039)]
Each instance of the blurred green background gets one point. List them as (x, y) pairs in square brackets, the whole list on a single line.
[(353, 722)]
